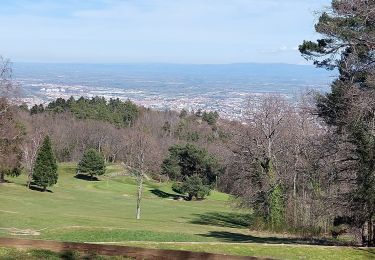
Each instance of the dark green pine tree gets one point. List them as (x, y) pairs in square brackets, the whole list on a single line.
[(45, 168), (194, 169), (92, 163), (347, 44)]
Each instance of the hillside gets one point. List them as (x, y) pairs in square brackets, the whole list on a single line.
[(104, 211)]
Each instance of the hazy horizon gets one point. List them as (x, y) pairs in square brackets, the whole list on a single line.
[(221, 88), (157, 31)]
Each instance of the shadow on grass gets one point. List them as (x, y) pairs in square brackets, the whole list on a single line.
[(165, 195), (242, 238), (86, 177), (223, 219), (70, 255), (37, 188), (370, 250), (64, 255)]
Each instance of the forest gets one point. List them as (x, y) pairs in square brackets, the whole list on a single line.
[(304, 166)]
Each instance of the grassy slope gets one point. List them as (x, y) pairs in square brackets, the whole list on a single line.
[(104, 211)]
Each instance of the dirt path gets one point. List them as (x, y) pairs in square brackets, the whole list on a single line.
[(220, 243), (114, 250)]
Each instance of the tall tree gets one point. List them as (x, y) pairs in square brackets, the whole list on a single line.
[(348, 44), (30, 150), (7, 87), (45, 169), (11, 131), (10, 140), (139, 147)]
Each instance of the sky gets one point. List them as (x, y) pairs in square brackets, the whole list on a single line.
[(167, 31)]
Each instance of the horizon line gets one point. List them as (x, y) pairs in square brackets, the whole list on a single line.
[(160, 63)]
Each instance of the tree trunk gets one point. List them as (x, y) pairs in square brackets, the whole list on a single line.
[(370, 233), (29, 176), (2, 177), (44, 188), (295, 199), (139, 195), (295, 218), (364, 235)]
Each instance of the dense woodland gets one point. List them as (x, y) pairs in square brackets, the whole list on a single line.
[(306, 167)]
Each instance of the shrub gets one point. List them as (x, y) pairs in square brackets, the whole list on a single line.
[(193, 187), (92, 163)]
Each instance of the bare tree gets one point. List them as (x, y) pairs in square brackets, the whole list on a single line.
[(138, 153), (30, 149), (6, 85), (10, 132), (277, 151)]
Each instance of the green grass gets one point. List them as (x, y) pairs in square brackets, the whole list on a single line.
[(104, 211), (37, 254), (274, 251)]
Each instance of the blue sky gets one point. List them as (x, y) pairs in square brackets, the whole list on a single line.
[(173, 31)]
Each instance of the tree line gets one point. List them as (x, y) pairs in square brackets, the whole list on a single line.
[(313, 167)]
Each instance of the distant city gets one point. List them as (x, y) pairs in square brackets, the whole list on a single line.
[(221, 88)]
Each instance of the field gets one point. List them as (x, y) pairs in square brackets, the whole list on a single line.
[(104, 212)]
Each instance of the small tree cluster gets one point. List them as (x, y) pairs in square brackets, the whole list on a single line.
[(193, 168), (114, 111), (210, 117), (193, 186)]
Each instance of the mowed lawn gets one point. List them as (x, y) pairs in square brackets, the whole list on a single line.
[(104, 211)]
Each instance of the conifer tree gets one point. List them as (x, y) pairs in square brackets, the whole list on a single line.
[(348, 45), (45, 168), (194, 167), (92, 163)]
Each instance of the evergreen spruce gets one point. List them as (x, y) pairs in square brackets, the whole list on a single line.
[(45, 168), (92, 163)]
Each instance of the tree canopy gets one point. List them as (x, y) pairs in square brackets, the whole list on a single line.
[(114, 111)]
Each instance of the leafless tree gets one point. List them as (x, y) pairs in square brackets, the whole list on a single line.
[(139, 148), (6, 84), (280, 143), (30, 149)]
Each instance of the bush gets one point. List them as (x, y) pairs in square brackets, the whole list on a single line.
[(337, 231), (176, 187), (210, 117), (92, 163), (193, 187)]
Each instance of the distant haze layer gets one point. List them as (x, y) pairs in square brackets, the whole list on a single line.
[(223, 88)]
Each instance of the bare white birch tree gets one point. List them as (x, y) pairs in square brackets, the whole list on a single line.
[(138, 154)]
